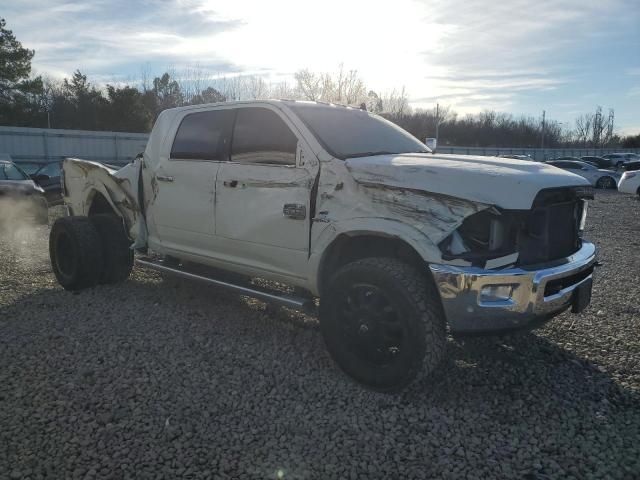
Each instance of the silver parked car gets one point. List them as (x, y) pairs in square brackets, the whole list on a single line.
[(598, 177)]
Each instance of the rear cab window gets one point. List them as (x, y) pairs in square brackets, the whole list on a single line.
[(203, 136)]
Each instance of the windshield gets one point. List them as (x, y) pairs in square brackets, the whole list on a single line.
[(8, 171), (348, 133), (28, 167)]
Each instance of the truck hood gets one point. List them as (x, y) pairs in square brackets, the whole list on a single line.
[(506, 183)]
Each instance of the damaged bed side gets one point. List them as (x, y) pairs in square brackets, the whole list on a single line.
[(87, 185)]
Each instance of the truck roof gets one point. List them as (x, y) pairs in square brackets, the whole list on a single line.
[(272, 101)]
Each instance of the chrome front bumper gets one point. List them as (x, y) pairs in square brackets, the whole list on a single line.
[(537, 293)]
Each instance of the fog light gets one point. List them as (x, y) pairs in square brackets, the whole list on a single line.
[(496, 293)]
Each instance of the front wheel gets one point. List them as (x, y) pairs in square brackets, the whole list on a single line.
[(383, 323)]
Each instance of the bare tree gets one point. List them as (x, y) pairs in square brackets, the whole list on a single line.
[(395, 103), (282, 90), (309, 84), (584, 125), (257, 88)]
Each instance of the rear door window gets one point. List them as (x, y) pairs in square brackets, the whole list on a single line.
[(203, 136), (10, 172), (261, 136)]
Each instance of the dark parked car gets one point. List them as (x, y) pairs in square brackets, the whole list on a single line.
[(573, 159), (631, 166), (619, 159), (48, 177), (599, 162), (20, 198)]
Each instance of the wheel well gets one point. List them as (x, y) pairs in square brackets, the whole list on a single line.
[(348, 248), (99, 204)]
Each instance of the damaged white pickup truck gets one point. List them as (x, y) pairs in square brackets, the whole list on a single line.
[(341, 206)]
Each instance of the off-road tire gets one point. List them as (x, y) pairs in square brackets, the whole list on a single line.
[(414, 296), (116, 252), (75, 250)]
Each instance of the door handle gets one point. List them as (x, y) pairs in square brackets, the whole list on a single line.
[(230, 183), (164, 178)]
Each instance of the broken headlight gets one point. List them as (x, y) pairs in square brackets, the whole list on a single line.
[(482, 236)]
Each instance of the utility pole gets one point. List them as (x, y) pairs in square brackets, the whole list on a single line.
[(437, 121), (542, 141)]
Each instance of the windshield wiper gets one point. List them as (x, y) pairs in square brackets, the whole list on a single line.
[(369, 154)]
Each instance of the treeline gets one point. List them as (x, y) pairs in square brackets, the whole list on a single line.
[(76, 103)]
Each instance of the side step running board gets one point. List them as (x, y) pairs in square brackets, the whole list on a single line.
[(297, 303)]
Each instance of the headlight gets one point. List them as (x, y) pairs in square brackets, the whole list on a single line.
[(629, 175)]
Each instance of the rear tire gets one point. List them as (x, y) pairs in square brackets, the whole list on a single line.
[(383, 324), (75, 250), (118, 257), (606, 183)]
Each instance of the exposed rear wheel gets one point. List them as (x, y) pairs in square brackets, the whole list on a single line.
[(118, 257), (383, 323), (75, 250)]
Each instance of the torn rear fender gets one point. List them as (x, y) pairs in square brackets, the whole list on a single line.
[(84, 179)]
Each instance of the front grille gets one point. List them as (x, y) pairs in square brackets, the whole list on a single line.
[(552, 228)]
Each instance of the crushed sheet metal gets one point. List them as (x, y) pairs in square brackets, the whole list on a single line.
[(421, 218), (488, 180), (502, 261), (119, 187), (435, 215)]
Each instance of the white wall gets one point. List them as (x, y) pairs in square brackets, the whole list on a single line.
[(42, 144)]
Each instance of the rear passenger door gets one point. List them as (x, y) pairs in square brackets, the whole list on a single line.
[(184, 181), (263, 194)]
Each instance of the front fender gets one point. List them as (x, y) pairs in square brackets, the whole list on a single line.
[(382, 227)]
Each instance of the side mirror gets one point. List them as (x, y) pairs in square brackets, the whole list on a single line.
[(39, 178)]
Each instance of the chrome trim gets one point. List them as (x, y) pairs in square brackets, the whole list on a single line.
[(460, 289)]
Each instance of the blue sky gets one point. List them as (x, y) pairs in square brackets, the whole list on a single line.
[(564, 56)]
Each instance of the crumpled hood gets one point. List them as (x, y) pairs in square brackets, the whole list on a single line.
[(507, 183)]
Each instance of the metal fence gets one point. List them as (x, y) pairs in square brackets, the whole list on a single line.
[(46, 145), (535, 153), (119, 148)]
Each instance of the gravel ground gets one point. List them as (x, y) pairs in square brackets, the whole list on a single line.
[(156, 378)]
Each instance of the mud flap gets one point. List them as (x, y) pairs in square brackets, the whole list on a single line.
[(582, 296)]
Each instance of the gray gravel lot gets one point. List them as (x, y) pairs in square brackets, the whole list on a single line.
[(156, 378)]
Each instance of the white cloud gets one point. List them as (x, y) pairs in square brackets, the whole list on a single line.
[(470, 54)]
